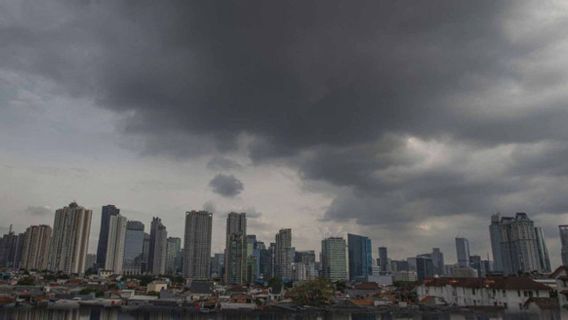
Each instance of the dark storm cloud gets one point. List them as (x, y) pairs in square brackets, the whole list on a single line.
[(226, 185), (331, 88)]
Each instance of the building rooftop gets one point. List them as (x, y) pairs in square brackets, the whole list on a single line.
[(505, 283)]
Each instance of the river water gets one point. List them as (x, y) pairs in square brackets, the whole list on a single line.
[(115, 314)]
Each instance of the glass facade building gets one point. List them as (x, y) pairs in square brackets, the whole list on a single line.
[(360, 257)]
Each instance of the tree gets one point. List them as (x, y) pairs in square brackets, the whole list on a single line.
[(314, 293), (26, 281)]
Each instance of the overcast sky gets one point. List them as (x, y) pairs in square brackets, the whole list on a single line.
[(407, 121)]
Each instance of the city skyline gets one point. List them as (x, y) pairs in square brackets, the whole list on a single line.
[(409, 123), (375, 255), (517, 247)]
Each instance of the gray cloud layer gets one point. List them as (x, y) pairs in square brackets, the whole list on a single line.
[(411, 110), (226, 185)]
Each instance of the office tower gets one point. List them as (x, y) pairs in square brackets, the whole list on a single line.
[(145, 267), (236, 259), (424, 267), (475, 263), (383, 259), (564, 243), (495, 234), (267, 262), (253, 258), (411, 262), (235, 248), (520, 245), (11, 246), (544, 259), (36, 247), (173, 251), (258, 247), (360, 257), (217, 265), (333, 259), (462, 249), (197, 244), (485, 268), (133, 248), (305, 256), (305, 265), (157, 247), (106, 212), (284, 255), (399, 265), (70, 239), (115, 244), (438, 261)]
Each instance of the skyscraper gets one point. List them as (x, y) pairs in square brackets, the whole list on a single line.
[(267, 261), (235, 248), (383, 259), (11, 246), (70, 239), (284, 255), (462, 249), (217, 265), (360, 257), (157, 247), (495, 234), (424, 267), (520, 244), (133, 248), (115, 243), (106, 212), (36, 247), (438, 261), (333, 259), (197, 244), (305, 265), (475, 263), (253, 258), (173, 250), (145, 266), (564, 243), (543, 257)]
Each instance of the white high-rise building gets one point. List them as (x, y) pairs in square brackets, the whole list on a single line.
[(522, 246), (70, 240), (334, 259), (284, 255), (197, 244), (115, 244), (36, 247), (157, 250), (236, 248)]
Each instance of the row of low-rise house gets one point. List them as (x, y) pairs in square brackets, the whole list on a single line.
[(509, 293)]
